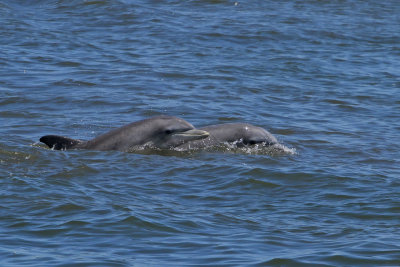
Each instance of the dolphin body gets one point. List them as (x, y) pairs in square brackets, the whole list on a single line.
[(160, 132), (242, 134)]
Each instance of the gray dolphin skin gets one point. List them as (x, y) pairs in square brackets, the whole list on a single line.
[(241, 133), (162, 132)]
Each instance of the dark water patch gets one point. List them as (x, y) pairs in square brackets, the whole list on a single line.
[(356, 260), (68, 64), (72, 83), (16, 114), (68, 207), (287, 262)]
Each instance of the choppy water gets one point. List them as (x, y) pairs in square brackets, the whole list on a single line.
[(323, 76)]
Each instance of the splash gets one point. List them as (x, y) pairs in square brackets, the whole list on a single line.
[(239, 147), (226, 147)]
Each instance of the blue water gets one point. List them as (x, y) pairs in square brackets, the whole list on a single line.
[(322, 76)]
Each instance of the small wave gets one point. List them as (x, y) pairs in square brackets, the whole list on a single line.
[(138, 221)]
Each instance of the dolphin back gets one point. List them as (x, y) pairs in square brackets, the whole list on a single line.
[(60, 142)]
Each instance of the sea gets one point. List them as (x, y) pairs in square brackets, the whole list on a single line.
[(323, 76)]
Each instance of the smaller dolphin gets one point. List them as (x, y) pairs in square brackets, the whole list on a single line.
[(162, 132), (240, 133)]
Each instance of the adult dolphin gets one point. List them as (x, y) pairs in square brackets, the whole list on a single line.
[(157, 132), (240, 133)]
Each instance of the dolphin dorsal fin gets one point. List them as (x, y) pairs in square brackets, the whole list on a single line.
[(59, 142)]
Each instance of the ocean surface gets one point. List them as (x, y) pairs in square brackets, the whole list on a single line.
[(322, 76)]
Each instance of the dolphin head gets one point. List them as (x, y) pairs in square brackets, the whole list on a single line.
[(252, 135), (239, 134), (170, 132)]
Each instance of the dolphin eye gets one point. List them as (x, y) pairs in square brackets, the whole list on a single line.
[(252, 142), (168, 131)]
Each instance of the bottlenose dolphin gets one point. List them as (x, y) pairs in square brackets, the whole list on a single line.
[(161, 132), (239, 133)]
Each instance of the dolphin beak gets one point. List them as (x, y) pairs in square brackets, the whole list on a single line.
[(195, 134)]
